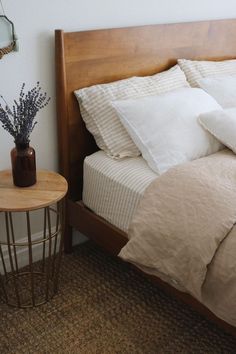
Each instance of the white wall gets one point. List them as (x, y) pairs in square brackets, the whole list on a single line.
[(35, 22)]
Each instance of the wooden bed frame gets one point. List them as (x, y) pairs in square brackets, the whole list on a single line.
[(101, 56)]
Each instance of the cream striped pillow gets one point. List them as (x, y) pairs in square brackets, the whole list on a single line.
[(198, 69), (101, 118)]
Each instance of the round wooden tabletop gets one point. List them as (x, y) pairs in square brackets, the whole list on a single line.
[(49, 189)]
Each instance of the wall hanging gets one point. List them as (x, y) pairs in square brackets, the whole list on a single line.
[(8, 38)]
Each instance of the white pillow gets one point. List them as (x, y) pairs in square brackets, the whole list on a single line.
[(100, 117), (166, 128), (197, 69), (222, 88), (221, 124)]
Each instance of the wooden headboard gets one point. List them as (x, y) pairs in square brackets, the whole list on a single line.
[(100, 56)]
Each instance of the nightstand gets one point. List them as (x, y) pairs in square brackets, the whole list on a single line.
[(37, 282)]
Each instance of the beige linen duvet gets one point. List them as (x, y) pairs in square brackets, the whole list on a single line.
[(184, 229)]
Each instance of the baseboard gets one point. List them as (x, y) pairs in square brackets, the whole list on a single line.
[(78, 238), (23, 252)]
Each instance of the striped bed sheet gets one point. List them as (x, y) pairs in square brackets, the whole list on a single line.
[(112, 188)]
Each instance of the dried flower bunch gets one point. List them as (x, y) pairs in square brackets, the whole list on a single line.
[(20, 120)]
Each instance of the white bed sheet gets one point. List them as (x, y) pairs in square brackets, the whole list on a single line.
[(112, 188)]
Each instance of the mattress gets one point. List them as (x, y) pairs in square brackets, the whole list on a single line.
[(113, 188)]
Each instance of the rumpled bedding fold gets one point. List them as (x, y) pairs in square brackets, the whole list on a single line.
[(183, 220)]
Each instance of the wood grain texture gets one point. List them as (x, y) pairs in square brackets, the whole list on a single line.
[(106, 235), (101, 56), (50, 188)]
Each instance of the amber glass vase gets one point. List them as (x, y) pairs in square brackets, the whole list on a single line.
[(23, 165)]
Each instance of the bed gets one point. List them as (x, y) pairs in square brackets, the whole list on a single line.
[(101, 56)]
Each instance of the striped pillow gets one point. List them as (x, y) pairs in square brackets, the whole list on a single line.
[(197, 69), (102, 120)]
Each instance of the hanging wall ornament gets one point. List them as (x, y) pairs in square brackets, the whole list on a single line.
[(8, 38)]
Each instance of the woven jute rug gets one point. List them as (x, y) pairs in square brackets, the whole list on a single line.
[(105, 306)]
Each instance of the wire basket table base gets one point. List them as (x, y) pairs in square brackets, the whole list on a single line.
[(37, 282)]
